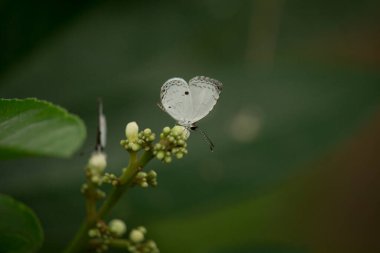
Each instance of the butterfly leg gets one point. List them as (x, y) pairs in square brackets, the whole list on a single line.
[(161, 106)]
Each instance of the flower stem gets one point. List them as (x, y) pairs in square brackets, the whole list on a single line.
[(80, 241)]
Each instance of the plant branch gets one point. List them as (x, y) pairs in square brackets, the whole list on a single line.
[(80, 241)]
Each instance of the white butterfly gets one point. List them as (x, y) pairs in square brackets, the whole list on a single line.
[(189, 102)]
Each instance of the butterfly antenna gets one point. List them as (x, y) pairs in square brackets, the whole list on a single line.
[(207, 139), (102, 128)]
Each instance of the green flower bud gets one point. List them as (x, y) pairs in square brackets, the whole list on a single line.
[(166, 130), (142, 229), (135, 147), (168, 159), (141, 175), (147, 131), (132, 249), (180, 130), (94, 233), (151, 244), (152, 174), (179, 155), (96, 179), (152, 137), (160, 155)]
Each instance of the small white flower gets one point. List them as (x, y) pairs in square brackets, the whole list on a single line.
[(132, 131), (117, 227)]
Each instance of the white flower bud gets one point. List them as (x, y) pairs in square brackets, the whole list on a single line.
[(136, 236), (117, 227), (132, 131), (97, 162)]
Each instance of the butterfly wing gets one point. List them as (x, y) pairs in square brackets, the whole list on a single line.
[(176, 99), (101, 138), (204, 94)]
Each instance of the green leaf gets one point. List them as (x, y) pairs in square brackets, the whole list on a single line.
[(30, 127), (20, 230)]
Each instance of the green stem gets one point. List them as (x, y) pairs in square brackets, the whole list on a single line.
[(91, 200), (80, 241), (119, 243), (128, 175), (114, 243)]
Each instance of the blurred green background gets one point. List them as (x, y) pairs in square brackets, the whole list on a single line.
[(297, 159)]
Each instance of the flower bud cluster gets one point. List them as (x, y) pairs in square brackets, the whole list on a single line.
[(96, 166), (116, 228), (138, 243), (172, 142), (145, 179), (137, 140), (101, 231), (110, 178)]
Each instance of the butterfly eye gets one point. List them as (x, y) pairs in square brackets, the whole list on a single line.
[(186, 93)]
